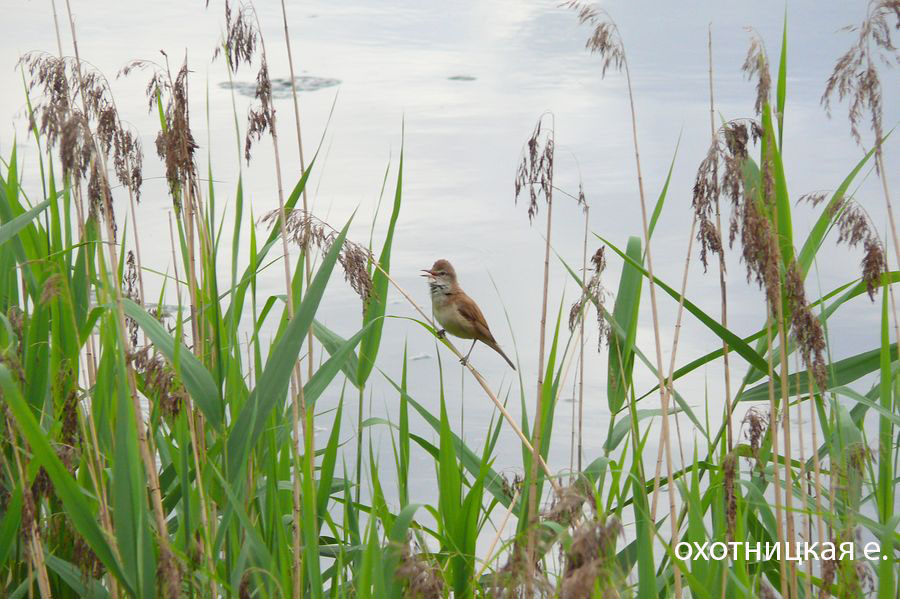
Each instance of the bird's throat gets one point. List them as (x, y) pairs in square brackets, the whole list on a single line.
[(438, 288)]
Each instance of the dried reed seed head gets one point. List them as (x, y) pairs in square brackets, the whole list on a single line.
[(241, 36), (590, 558), (805, 326), (756, 65), (85, 559), (596, 293), (568, 505), (604, 38), (175, 143), (305, 230), (168, 573), (131, 291), (260, 119), (28, 522), (511, 487), (60, 79), (421, 578), (42, 486), (855, 228), (855, 76), (509, 581), (244, 591), (100, 196), (581, 199), (813, 198), (70, 436), (51, 288), (535, 171), (160, 380), (730, 472), (757, 422), (721, 171)]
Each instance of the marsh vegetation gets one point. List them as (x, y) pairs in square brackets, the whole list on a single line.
[(165, 445)]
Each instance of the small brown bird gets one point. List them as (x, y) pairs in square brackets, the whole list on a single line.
[(457, 312)]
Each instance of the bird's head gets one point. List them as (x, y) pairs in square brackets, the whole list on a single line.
[(441, 272)]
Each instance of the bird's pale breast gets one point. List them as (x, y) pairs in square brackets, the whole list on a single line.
[(449, 317)]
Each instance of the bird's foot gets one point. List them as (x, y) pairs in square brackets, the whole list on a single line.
[(464, 361), (442, 333)]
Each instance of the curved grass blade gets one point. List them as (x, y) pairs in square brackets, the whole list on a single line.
[(196, 378)]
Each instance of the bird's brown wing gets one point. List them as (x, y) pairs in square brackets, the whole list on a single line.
[(469, 310)]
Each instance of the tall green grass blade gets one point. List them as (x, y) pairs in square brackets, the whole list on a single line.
[(887, 485), (11, 228), (66, 488), (625, 313), (377, 304)]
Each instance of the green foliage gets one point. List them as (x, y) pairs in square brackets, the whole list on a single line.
[(147, 453)]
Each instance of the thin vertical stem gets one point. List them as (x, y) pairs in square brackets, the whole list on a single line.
[(664, 396), (587, 210), (538, 418), (773, 431)]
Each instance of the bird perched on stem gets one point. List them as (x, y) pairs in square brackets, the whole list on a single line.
[(456, 312)]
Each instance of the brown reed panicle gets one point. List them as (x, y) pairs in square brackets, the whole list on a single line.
[(421, 578), (730, 473), (604, 39), (168, 574), (85, 559), (595, 292), (63, 123), (721, 171), (28, 516), (241, 37), (100, 196), (159, 379), (805, 325), (855, 76), (70, 435), (131, 291), (591, 558), (756, 65), (535, 172), (509, 582), (175, 143), (855, 228), (305, 229), (259, 120), (757, 422), (244, 588), (759, 242)]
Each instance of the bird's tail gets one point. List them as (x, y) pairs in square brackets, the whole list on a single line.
[(497, 349)]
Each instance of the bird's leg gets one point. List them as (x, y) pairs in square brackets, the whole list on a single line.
[(442, 333), (465, 359)]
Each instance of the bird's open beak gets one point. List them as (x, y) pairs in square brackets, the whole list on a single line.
[(428, 273)]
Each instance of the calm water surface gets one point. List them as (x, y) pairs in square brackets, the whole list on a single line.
[(468, 81)]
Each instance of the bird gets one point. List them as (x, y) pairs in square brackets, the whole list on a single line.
[(456, 312)]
